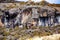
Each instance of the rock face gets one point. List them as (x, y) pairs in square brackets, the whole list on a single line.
[(42, 15), (51, 37)]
